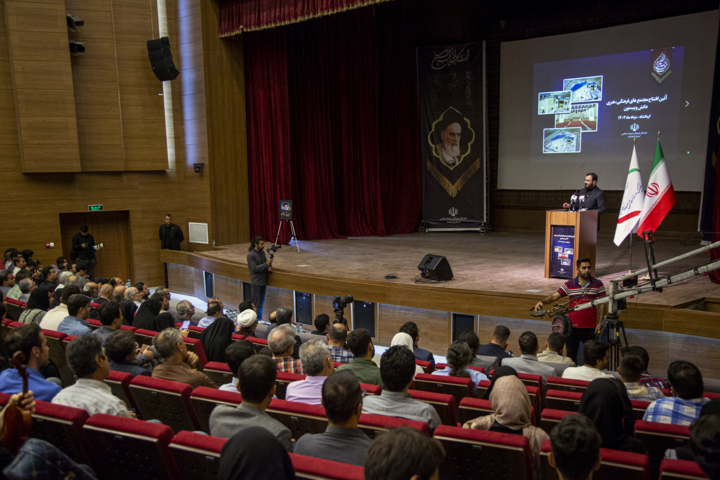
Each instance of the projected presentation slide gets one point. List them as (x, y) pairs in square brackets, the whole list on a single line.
[(584, 89), (562, 140), (584, 116), (550, 103)]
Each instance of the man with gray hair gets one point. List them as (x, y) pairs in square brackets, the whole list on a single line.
[(62, 282), (186, 310), (318, 365), (282, 343), (21, 291), (106, 294), (90, 289), (178, 363), (130, 305), (284, 316), (118, 293)]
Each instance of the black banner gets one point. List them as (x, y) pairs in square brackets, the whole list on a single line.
[(450, 85)]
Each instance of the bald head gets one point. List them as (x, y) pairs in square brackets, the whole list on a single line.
[(131, 292), (337, 334), (106, 291)]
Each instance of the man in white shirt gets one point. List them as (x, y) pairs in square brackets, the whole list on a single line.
[(18, 263), (553, 350), (214, 311), (236, 354), (597, 356), (90, 393), (52, 319)]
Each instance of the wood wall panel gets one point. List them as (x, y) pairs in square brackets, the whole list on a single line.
[(432, 324), (229, 290), (181, 277)]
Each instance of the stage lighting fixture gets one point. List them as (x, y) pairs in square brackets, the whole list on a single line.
[(73, 22), (198, 167), (76, 48)]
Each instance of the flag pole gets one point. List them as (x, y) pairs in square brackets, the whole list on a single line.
[(631, 232)]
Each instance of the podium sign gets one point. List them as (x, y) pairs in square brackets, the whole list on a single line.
[(569, 236), (563, 251)]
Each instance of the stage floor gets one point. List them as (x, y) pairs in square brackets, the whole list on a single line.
[(496, 262)]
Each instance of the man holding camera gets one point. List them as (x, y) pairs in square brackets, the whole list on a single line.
[(259, 267)]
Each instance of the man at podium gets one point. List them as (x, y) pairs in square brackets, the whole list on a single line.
[(589, 198)]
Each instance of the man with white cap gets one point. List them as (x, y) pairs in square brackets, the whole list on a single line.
[(247, 318)]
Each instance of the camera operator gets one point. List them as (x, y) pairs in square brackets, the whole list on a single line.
[(259, 267)]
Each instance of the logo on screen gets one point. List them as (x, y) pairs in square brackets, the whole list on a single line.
[(653, 189), (661, 63), (453, 211), (634, 127)]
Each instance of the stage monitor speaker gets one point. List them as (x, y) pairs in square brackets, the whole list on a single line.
[(435, 267), (161, 59)]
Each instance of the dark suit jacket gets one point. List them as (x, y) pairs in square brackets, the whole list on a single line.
[(424, 355), (100, 300), (174, 237), (594, 200)]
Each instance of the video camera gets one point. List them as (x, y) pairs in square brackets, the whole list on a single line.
[(339, 304), (272, 249)]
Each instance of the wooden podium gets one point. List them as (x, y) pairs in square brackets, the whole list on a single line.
[(559, 226)]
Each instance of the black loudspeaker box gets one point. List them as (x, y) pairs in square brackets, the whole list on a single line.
[(161, 59), (435, 267)]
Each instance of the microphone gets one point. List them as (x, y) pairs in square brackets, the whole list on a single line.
[(573, 201), (582, 201)]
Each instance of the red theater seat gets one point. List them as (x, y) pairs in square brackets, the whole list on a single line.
[(483, 453), (680, 470), (371, 389), (237, 336), (615, 465), (373, 425), (549, 418), (194, 331), (164, 400), (458, 387), (442, 366), (300, 418), (444, 404), (426, 366), (130, 448), (639, 408), (259, 343), (566, 384), (658, 437), (119, 383), (472, 408), (194, 345), (14, 308), (57, 355), (218, 372), (563, 400), (197, 456), (482, 388), (204, 400), (319, 469), (144, 337), (94, 324), (128, 328), (283, 380), (63, 427)]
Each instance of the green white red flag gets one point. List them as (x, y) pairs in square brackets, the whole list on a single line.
[(632, 202), (659, 197)]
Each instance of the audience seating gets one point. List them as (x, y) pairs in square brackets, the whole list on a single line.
[(204, 400), (128, 328), (57, 355), (482, 388), (558, 367), (144, 337), (300, 418), (63, 427), (4, 328), (566, 384), (493, 361), (371, 389), (426, 366), (130, 448), (14, 308), (483, 454), (615, 465), (563, 400), (258, 343), (680, 470), (373, 424), (528, 379), (119, 383), (639, 408), (94, 324), (194, 331), (319, 469), (472, 408), (458, 387), (711, 396), (197, 456), (536, 400), (549, 418), (444, 404), (283, 379), (237, 336), (442, 366), (194, 345), (164, 400), (218, 372), (658, 437)]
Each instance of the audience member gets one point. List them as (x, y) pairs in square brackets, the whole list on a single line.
[(23, 287), (121, 349), (404, 454), (164, 319), (473, 342), (596, 355), (7, 281), (575, 448), (9, 253), (31, 341), (216, 338), (62, 264), (49, 276), (458, 358), (91, 290), (130, 305), (705, 442), (499, 373), (342, 441), (282, 343), (397, 369), (405, 340), (554, 349), (247, 321), (111, 319), (646, 380), (284, 316), (143, 290), (81, 272), (37, 306), (214, 311), (186, 310), (146, 315), (256, 378), (498, 344), (411, 329), (512, 414), (255, 453), (51, 320), (630, 370), (602, 404), (318, 365), (322, 324), (528, 360), (62, 283), (118, 294), (235, 355), (90, 365), (106, 294), (78, 312), (360, 343), (178, 363), (687, 387), (336, 336), (18, 263)]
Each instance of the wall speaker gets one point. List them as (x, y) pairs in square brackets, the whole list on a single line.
[(435, 267), (161, 59)]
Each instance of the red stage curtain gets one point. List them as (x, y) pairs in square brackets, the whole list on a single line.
[(237, 16), (338, 129)]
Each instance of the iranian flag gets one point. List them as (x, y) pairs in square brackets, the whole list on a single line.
[(632, 202), (660, 195)]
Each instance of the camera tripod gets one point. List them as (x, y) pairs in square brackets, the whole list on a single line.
[(614, 328), (293, 236)]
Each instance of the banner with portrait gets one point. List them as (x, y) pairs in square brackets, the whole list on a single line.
[(450, 87)]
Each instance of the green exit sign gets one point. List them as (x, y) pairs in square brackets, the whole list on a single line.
[(95, 208)]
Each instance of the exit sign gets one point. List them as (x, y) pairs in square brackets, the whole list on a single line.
[(95, 208)]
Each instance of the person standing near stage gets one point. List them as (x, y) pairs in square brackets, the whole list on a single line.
[(581, 289), (259, 267), (171, 236), (83, 250)]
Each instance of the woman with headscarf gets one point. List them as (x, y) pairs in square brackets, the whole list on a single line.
[(37, 306), (247, 321), (512, 412), (216, 338), (458, 357), (146, 315), (255, 453), (405, 340), (602, 404), (497, 375)]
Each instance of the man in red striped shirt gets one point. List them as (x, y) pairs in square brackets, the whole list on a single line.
[(581, 289)]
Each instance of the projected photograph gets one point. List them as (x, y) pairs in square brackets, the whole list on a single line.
[(550, 103), (583, 116), (562, 140), (584, 89)]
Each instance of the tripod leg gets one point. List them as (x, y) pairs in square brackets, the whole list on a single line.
[(278, 234), (294, 235)]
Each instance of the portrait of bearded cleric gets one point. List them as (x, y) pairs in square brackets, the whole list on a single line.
[(451, 138)]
